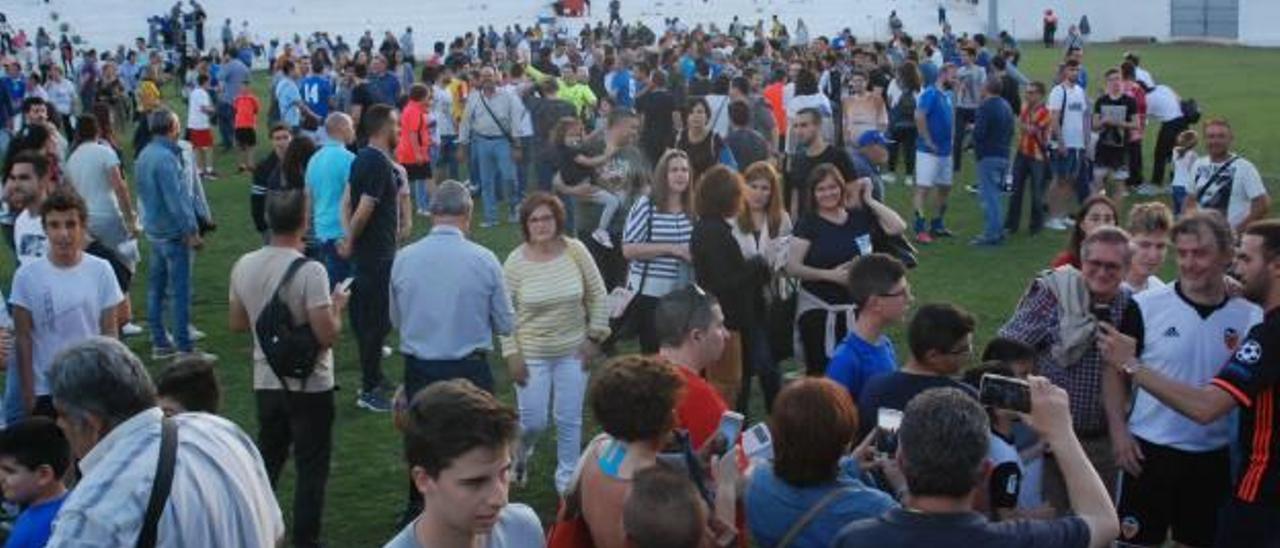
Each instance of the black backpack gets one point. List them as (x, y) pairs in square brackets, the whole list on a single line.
[(904, 112), (291, 350)]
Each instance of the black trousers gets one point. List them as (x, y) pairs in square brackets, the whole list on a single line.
[(1133, 152), (370, 319), (303, 421), (1165, 140), (903, 146), (964, 117), (813, 337)]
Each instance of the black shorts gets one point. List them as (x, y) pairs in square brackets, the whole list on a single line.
[(246, 137), (418, 172), (1178, 489), (1244, 524), (1108, 157), (124, 276)]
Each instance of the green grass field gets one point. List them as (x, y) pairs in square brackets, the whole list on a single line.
[(367, 485)]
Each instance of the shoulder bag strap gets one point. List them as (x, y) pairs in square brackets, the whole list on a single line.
[(294, 267), (809, 515), (485, 103), (648, 237), (1209, 188), (163, 483)]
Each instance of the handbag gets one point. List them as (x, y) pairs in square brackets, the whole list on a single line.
[(622, 315)]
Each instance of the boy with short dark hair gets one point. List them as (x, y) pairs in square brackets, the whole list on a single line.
[(882, 296), (187, 385), (457, 441), (34, 454)]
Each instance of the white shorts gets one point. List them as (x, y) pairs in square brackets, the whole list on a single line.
[(932, 170)]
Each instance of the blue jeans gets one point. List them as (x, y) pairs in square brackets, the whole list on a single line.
[(991, 172), (523, 169), (496, 168), (338, 268), (226, 128), (170, 265), (419, 374)]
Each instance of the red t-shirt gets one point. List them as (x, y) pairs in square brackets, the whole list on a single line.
[(246, 107), (699, 409), (1065, 258), (413, 122), (773, 95)]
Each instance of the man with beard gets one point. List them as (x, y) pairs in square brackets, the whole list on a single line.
[(1250, 380)]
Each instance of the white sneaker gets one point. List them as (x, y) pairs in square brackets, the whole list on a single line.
[(889, 178), (601, 237), (1148, 189), (130, 330), (196, 334), (386, 351), (911, 180), (1055, 223)]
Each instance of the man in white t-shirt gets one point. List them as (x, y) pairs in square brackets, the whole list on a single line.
[(1227, 182), (59, 300), (94, 170), (28, 182), (1188, 330), (199, 130), (1069, 107)]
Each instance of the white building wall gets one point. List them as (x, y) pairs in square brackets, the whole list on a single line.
[(1260, 22), (110, 22)]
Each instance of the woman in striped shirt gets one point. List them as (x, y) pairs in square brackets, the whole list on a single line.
[(656, 241), (561, 317)]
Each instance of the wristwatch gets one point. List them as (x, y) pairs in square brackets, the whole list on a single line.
[(1131, 367)]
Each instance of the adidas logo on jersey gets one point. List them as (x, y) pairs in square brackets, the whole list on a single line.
[(1172, 332)]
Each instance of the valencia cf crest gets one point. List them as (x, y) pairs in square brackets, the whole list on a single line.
[(1231, 338)]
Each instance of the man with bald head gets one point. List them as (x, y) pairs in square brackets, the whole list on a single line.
[(326, 180), (488, 132)]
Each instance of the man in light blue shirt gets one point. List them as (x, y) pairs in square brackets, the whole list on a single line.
[(448, 300), (289, 97), (447, 320), (326, 179)]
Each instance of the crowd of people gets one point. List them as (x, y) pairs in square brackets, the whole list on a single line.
[(695, 208)]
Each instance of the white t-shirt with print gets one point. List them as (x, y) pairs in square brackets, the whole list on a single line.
[(66, 306), (1076, 105), (199, 100), (1246, 185), (29, 238)]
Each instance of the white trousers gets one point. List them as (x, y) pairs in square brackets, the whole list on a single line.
[(564, 378)]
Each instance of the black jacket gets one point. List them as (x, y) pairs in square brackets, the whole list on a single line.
[(722, 271)]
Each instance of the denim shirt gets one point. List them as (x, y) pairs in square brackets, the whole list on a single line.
[(168, 207), (773, 505)]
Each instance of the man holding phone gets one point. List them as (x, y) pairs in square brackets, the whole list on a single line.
[(1187, 330), (1250, 380), (1041, 320), (943, 454), (299, 412), (691, 333)]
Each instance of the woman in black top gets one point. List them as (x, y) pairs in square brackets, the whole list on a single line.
[(698, 140), (721, 269), (823, 244)]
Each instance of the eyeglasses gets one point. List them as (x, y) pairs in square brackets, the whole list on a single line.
[(1104, 265)]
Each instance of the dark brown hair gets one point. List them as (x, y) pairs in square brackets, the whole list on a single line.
[(450, 418), (634, 397), (719, 193)]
